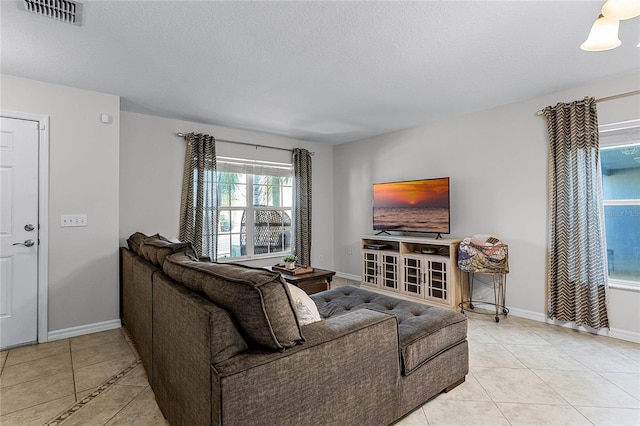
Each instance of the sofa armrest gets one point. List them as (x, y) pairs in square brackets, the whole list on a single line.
[(136, 299), (189, 334), (347, 370)]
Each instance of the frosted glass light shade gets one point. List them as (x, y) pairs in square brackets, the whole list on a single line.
[(621, 9), (603, 35)]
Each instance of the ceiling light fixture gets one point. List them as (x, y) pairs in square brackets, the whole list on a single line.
[(603, 35), (621, 9), (604, 32)]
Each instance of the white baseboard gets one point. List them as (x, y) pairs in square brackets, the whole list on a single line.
[(535, 316), (348, 276), (83, 329), (616, 333), (629, 336)]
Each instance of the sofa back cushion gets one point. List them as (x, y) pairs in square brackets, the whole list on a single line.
[(257, 298), (157, 250), (135, 241)]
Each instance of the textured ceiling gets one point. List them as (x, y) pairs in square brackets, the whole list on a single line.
[(322, 71)]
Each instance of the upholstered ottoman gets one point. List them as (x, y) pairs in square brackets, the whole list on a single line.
[(424, 330)]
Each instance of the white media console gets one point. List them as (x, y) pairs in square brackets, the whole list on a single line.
[(417, 267)]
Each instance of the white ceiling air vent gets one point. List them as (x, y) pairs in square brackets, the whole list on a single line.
[(60, 10)]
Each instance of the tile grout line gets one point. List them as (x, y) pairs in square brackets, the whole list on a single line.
[(4, 363), (125, 406), (102, 388), (587, 368), (495, 404), (73, 373), (555, 347), (38, 357), (125, 333), (129, 340), (108, 343), (34, 378), (424, 414), (599, 373), (538, 376), (526, 367), (505, 342), (501, 412)]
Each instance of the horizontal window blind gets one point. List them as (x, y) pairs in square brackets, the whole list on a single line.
[(254, 167)]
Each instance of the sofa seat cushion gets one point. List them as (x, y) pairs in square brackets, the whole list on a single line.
[(424, 330), (257, 298)]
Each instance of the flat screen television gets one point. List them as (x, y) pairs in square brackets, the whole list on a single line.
[(412, 206)]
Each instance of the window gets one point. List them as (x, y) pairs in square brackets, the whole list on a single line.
[(620, 162), (254, 208)]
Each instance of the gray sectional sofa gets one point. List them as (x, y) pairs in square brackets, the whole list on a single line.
[(222, 344)]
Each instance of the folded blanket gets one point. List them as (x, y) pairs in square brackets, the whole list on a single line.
[(483, 253)]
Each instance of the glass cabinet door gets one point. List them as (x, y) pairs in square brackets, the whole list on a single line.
[(412, 276), (370, 268), (389, 271), (436, 274)]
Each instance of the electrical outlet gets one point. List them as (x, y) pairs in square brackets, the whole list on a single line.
[(349, 251), (67, 220)]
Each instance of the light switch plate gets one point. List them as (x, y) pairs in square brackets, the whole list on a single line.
[(67, 220)]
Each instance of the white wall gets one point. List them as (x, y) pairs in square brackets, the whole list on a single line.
[(83, 178), (497, 161), (152, 163)]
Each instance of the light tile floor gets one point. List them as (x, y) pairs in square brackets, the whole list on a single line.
[(40, 382), (522, 373)]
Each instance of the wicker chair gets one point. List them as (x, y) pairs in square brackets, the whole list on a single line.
[(271, 232)]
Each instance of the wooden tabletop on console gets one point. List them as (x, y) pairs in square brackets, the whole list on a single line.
[(311, 282)]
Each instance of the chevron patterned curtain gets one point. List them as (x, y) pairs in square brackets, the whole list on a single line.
[(199, 205), (576, 258), (302, 205)]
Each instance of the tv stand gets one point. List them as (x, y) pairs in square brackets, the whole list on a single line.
[(413, 267), (383, 233)]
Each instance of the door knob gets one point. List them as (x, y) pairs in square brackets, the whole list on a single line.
[(27, 243)]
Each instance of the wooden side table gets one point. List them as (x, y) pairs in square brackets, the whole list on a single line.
[(312, 282)]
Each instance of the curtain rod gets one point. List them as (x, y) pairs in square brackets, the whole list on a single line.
[(609, 98), (256, 145)]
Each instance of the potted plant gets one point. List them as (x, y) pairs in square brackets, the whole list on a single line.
[(290, 261)]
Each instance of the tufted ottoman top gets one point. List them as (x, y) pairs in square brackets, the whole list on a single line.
[(424, 330)]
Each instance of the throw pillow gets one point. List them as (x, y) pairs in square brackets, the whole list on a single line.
[(306, 309)]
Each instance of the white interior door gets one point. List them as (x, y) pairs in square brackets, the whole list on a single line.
[(18, 232)]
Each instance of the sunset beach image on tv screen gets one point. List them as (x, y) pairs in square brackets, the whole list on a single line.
[(412, 206)]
